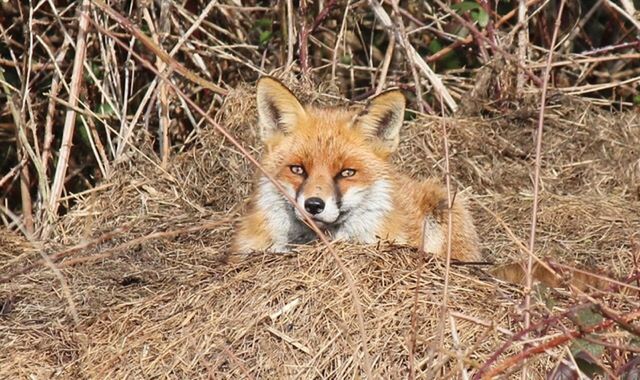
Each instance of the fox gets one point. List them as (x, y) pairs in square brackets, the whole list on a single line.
[(335, 162)]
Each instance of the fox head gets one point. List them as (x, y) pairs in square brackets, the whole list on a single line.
[(332, 161)]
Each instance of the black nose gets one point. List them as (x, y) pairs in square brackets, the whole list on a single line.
[(314, 205)]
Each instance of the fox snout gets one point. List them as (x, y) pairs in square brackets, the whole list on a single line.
[(319, 202), (314, 206)]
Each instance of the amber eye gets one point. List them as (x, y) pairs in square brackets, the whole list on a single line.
[(297, 169), (347, 173)]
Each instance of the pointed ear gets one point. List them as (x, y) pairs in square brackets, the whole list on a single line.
[(382, 118), (278, 109)]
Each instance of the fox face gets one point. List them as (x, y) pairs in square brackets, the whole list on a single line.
[(333, 163)]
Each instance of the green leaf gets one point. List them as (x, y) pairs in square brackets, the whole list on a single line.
[(263, 23), (346, 59), (466, 6), (588, 364), (435, 46), (587, 317), (105, 110), (636, 99), (265, 36), (481, 17), (83, 133), (478, 14)]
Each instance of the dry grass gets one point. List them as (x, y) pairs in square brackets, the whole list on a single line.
[(156, 299)]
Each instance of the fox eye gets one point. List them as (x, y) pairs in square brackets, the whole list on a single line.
[(347, 173), (297, 169)]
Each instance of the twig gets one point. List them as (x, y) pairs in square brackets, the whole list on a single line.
[(515, 359), (243, 368), (290, 33), (494, 46), (69, 251), (456, 345), (382, 81), (303, 38), (305, 30), (132, 243), (23, 150), (630, 17), (69, 123), (536, 177), (450, 200), (56, 83), (523, 41), (334, 57), (14, 170), (414, 312), (412, 65), (129, 128)]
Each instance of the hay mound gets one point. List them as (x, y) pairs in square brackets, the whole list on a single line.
[(146, 293)]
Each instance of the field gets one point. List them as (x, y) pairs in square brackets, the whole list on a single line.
[(122, 175)]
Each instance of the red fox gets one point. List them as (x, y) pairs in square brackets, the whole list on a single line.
[(335, 163)]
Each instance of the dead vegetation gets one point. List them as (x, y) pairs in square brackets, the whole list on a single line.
[(123, 275)]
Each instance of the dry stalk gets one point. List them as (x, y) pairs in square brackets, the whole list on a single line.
[(12, 173), (69, 123), (450, 199), (128, 129), (56, 83), (382, 81), (412, 65), (523, 42), (629, 16), (23, 150), (334, 57), (132, 243), (536, 178), (291, 35)]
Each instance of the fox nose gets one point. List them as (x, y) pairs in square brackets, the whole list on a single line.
[(314, 205)]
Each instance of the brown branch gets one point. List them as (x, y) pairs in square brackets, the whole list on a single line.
[(555, 342), (132, 243), (12, 173)]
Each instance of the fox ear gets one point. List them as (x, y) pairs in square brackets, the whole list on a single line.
[(382, 118), (278, 109)]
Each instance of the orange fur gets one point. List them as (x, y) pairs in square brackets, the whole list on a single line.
[(342, 158)]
